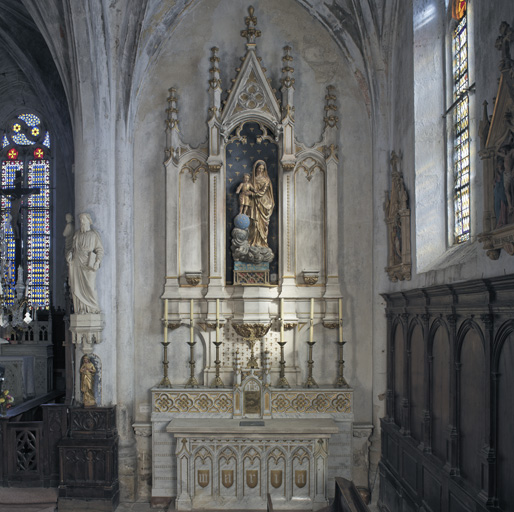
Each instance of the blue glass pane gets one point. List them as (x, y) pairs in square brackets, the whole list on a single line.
[(30, 119), (46, 142), (20, 139)]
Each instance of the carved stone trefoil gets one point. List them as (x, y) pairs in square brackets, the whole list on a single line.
[(397, 217), (497, 154)]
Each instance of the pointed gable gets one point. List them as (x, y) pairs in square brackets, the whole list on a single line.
[(251, 96)]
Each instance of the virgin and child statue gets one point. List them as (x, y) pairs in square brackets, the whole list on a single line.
[(256, 204)]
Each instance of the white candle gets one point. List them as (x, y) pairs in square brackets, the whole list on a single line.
[(281, 320), (217, 320), (165, 320), (340, 319), (191, 323), (311, 334)]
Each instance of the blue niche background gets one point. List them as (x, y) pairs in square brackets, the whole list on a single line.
[(240, 158)]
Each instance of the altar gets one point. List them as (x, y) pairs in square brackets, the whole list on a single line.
[(253, 399), (210, 455), (235, 463)]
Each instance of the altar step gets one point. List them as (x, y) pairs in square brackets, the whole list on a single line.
[(32, 499)]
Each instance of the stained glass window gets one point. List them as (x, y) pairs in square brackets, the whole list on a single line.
[(461, 169), (25, 208)]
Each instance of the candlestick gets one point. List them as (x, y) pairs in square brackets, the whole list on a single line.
[(310, 383), (165, 320), (281, 320), (341, 381), (340, 319), (191, 322), (217, 320), (165, 382), (282, 381), (217, 383), (311, 330)]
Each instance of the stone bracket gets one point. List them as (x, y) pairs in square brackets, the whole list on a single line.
[(86, 330)]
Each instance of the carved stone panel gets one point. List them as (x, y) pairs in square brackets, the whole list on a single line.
[(397, 217), (497, 154)]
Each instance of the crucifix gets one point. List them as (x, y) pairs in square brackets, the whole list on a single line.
[(16, 195)]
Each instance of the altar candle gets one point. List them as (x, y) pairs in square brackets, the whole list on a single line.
[(281, 320), (217, 319), (165, 320), (340, 319), (312, 321), (191, 321)]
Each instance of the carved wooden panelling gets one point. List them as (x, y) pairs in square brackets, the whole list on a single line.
[(455, 421), (472, 405), (440, 393), (399, 373), (506, 423), (417, 381)]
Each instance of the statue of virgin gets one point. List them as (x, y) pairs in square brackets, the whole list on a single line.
[(261, 206)]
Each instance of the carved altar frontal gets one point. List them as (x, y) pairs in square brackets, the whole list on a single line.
[(209, 455)]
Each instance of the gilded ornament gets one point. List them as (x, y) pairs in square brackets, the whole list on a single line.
[(251, 331), (203, 477), (310, 277), (251, 33), (227, 478)]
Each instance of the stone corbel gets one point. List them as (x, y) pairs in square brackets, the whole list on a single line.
[(142, 429), (86, 330)]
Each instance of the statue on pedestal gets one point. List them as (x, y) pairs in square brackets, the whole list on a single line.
[(87, 379), (250, 235), (84, 260), (262, 205)]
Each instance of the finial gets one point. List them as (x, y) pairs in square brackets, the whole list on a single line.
[(287, 70), (330, 108), (251, 33), (172, 138)]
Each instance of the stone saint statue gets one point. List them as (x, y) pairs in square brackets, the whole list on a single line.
[(262, 205), (87, 379), (83, 261)]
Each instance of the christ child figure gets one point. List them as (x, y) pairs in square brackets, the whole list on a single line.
[(245, 190)]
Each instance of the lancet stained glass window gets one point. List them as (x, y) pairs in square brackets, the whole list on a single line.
[(25, 208), (461, 170)]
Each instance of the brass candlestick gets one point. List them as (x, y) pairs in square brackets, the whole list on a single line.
[(341, 381), (165, 382), (282, 381), (191, 382), (311, 383), (217, 383)]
